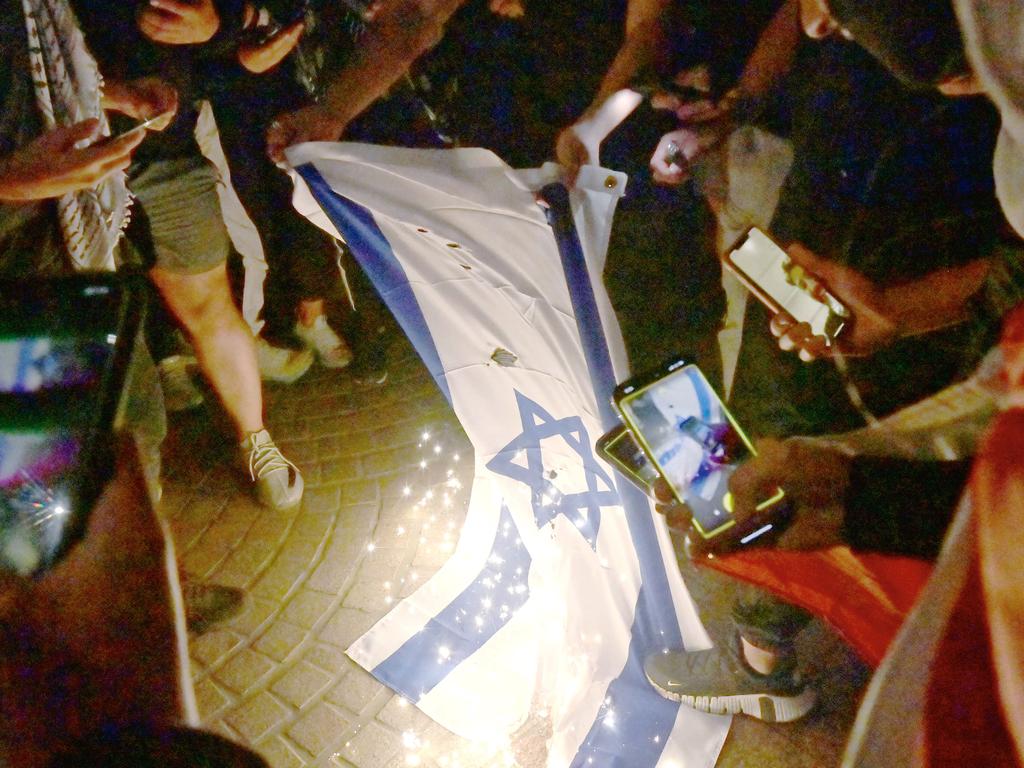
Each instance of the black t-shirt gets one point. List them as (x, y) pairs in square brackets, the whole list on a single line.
[(893, 182), (124, 53)]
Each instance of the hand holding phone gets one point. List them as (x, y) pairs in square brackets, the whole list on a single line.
[(807, 313), (695, 444), (816, 478)]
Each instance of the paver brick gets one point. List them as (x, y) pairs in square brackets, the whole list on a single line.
[(359, 492), (331, 660), (210, 647), (258, 716), (307, 607), (210, 699), (321, 500), (280, 753), (354, 690), (280, 640), (368, 596), (201, 560), (310, 525), (319, 728), (392, 460), (337, 569), (280, 578), (301, 684), (402, 715), (346, 626), (372, 747), (244, 669), (254, 615)]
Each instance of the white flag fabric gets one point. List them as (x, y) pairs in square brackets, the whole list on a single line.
[(563, 579)]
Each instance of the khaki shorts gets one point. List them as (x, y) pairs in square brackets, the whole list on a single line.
[(176, 217)]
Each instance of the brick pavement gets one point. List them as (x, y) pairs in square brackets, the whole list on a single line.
[(276, 676)]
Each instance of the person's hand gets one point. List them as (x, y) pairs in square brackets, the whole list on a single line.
[(873, 322), (51, 165), (815, 479), (571, 154), (143, 99), (179, 22), (260, 57), (313, 123), (509, 9), (678, 151), (696, 80)]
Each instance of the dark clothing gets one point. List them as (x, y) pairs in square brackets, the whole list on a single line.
[(124, 53), (30, 238), (902, 507), (896, 184)]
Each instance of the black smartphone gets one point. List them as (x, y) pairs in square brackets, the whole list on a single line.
[(693, 441), (619, 448), (66, 347), (766, 269)]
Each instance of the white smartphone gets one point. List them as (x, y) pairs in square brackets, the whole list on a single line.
[(769, 273)]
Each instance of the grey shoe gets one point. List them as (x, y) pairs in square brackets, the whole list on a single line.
[(719, 681), (278, 482), (180, 391)]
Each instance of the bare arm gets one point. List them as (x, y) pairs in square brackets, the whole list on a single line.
[(400, 33), (645, 40), (773, 55)]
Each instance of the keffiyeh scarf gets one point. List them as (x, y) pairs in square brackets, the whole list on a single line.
[(67, 86)]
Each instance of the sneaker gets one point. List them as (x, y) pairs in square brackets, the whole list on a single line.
[(209, 604), (329, 347), (281, 363), (179, 388), (719, 681), (278, 482)]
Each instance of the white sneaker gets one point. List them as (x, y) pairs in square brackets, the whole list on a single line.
[(180, 391), (279, 483), (281, 363), (330, 348)]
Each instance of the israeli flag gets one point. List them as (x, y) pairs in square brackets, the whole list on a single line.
[(563, 579)]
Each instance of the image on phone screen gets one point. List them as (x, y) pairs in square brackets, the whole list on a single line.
[(61, 374), (53, 384), (620, 449), (691, 439), (768, 271)]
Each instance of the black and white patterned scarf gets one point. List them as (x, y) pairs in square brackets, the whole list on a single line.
[(68, 89)]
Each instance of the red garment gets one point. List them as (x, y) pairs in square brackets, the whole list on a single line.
[(864, 597), (986, 631)]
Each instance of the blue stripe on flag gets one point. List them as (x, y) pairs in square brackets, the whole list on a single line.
[(631, 728), (644, 717), (375, 255), (465, 624)]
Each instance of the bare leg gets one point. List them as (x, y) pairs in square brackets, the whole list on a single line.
[(223, 343)]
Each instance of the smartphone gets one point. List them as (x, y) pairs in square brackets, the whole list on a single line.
[(619, 448), (65, 350), (769, 273), (693, 441)]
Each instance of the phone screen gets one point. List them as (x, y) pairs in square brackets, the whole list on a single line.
[(762, 262), (692, 439), (54, 419), (621, 450)]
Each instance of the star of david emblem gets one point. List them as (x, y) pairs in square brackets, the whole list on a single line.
[(582, 508)]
